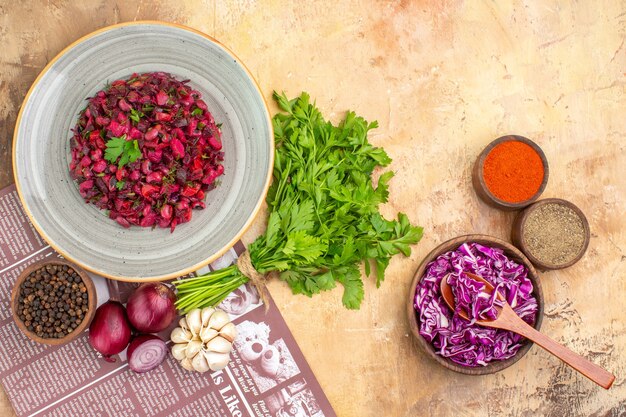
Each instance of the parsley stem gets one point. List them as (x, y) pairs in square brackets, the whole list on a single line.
[(208, 289)]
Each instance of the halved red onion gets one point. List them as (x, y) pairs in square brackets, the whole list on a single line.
[(146, 352)]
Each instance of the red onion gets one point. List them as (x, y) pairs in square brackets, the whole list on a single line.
[(146, 352), (109, 332), (151, 307)]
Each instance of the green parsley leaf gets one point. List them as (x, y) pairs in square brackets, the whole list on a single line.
[(119, 185), (197, 112), (114, 148), (352, 288), (126, 150), (135, 115)]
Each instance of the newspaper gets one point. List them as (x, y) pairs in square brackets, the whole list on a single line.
[(74, 380)]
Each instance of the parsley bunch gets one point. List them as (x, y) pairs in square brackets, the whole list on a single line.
[(324, 220)]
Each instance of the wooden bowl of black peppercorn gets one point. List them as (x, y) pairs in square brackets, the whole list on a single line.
[(53, 301)]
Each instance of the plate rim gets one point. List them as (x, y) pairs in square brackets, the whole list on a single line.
[(189, 269)]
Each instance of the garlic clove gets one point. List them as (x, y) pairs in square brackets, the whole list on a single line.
[(219, 344), (186, 363), (216, 360), (180, 335), (199, 363), (218, 320), (193, 347), (193, 321), (229, 332), (205, 315), (178, 351), (207, 334), (183, 323)]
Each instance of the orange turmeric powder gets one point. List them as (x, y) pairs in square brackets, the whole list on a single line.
[(513, 171)]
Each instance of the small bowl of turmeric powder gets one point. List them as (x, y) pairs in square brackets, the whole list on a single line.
[(510, 173)]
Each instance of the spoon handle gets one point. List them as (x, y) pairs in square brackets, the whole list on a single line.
[(589, 369)]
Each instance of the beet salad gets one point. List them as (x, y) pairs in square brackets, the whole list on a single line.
[(147, 150)]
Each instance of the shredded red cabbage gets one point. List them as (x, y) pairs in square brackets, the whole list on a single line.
[(463, 341)]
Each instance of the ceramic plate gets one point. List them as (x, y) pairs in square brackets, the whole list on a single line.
[(41, 151)]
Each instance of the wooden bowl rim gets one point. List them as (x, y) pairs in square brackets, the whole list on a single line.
[(480, 161), (513, 253), (521, 221), (91, 306)]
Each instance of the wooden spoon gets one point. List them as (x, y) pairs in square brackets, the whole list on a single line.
[(508, 320)]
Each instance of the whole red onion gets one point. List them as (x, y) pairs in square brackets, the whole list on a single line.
[(151, 307), (146, 352), (109, 331)]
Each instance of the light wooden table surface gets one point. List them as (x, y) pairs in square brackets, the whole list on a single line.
[(443, 78)]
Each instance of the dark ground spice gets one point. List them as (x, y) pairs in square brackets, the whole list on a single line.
[(554, 234), (52, 301)]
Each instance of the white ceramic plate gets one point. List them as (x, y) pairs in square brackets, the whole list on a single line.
[(41, 151)]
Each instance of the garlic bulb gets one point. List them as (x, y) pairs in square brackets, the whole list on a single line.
[(204, 340)]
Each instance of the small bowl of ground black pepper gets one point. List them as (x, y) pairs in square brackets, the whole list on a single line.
[(552, 233), (510, 173), (53, 301)]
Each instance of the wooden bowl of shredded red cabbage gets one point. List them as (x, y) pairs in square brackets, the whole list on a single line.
[(460, 344)]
